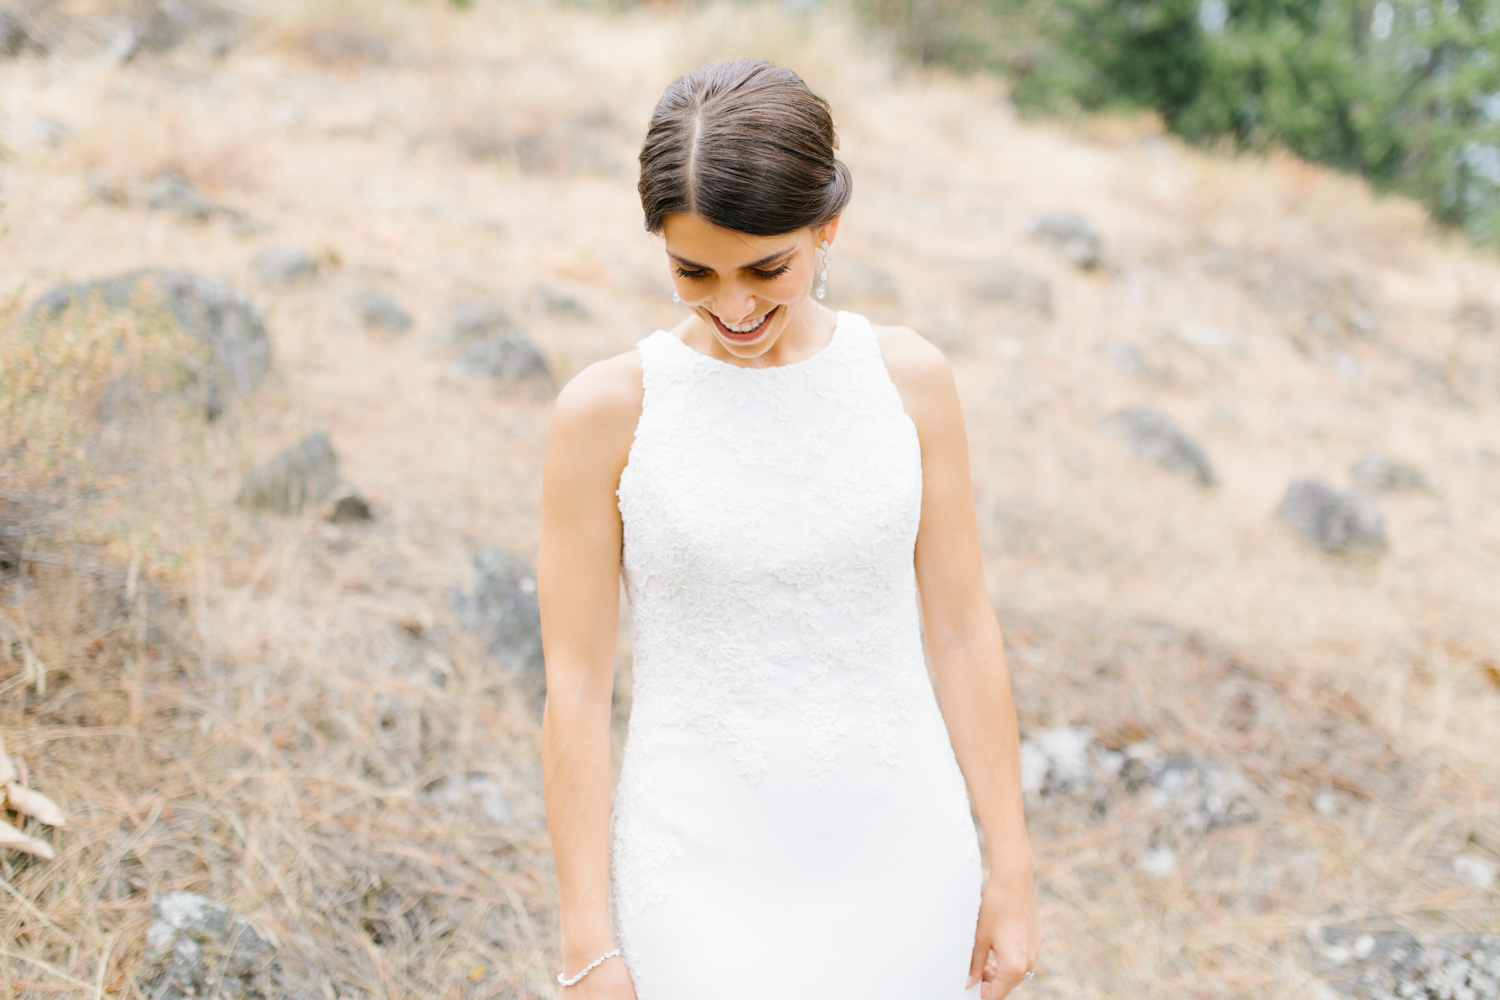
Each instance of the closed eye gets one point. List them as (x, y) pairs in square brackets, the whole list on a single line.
[(767, 275), (698, 272)]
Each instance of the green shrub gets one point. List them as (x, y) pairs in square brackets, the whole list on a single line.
[(1405, 92)]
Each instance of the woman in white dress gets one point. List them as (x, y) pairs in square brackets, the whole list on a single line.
[(781, 486)]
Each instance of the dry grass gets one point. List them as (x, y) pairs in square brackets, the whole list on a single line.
[(270, 712)]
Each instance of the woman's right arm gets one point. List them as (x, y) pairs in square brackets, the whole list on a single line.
[(578, 581)]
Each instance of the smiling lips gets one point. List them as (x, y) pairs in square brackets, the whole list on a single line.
[(743, 332)]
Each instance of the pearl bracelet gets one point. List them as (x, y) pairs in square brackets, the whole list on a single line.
[(588, 968)]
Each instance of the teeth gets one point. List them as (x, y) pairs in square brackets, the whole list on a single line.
[(743, 327)]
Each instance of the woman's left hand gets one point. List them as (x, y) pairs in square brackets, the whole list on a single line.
[(1009, 936)]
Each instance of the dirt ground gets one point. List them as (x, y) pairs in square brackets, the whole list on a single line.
[(301, 735)]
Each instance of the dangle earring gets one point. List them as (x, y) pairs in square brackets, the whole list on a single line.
[(822, 286), (676, 298)]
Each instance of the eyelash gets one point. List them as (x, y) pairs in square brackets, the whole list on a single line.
[(763, 275), (767, 275)]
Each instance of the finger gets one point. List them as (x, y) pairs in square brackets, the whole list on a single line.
[(977, 962), (1001, 977)]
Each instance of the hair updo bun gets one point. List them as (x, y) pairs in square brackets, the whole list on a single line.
[(745, 145)]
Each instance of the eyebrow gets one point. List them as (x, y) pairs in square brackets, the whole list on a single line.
[(744, 267)]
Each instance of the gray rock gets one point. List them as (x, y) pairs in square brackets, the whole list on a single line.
[(198, 947), (1394, 964), (1124, 358), (302, 475), (1188, 795), (1206, 336), (477, 320), (347, 507), (284, 266), (1071, 237), (176, 194), (14, 38), (1335, 521), (1479, 872), (510, 358), (207, 310), (379, 311), (491, 346), (107, 192), (163, 25), (558, 303), (1202, 797), (1154, 436), (1000, 281), (503, 610), (1378, 472)]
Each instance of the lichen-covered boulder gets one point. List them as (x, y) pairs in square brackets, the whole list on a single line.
[(222, 319)]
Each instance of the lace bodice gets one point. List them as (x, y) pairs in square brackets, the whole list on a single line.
[(770, 516)]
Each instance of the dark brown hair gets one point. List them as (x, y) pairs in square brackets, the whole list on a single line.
[(747, 146)]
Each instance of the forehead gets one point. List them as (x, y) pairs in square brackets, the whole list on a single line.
[(694, 238)]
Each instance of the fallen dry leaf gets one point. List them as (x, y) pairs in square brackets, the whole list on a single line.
[(11, 837), (31, 803)]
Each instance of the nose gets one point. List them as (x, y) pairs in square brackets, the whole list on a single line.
[(737, 307)]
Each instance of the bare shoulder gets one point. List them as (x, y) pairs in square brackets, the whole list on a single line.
[(919, 369), (600, 406)]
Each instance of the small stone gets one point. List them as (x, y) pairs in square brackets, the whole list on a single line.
[(504, 610), (1154, 436), (176, 194), (1070, 236), (1124, 358), (1067, 751), (106, 192), (1034, 765), (284, 266), (14, 38), (999, 281), (478, 788), (1476, 871), (379, 311), (347, 507), (1159, 861), (198, 947), (1377, 472), (1336, 522), (1208, 337), (303, 474)]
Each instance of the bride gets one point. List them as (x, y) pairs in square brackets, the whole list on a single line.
[(782, 488)]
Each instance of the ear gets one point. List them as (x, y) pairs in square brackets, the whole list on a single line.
[(827, 231)]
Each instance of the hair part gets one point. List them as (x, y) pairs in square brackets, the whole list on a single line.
[(745, 145)]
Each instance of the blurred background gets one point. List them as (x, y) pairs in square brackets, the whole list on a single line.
[(286, 292)]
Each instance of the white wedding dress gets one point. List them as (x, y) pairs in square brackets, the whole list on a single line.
[(790, 822)]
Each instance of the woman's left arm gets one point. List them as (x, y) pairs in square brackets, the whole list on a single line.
[(968, 661)]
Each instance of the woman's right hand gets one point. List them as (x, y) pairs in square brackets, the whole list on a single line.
[(610, 981)]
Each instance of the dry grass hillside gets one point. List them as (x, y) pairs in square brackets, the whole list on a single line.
[(1280, 761)]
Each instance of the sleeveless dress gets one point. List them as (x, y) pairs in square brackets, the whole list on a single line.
[(790, 822)]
